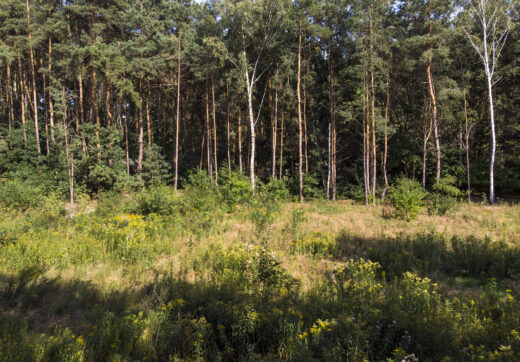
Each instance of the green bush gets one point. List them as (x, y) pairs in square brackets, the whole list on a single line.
[(407, 198), (235, 189), (160, 200), (444, 196), (276, 189), (20, 195)]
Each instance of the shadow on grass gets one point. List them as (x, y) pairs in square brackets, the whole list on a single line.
[(435, 255)]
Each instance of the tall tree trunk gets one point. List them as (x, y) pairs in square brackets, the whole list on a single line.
[(208, 133), (306, 153), (467, 133), (45, 110), (22, 100), (177, 115), (68, 154), (149, 128), (82, 113), (10, 95), (240, 136), (51, 104), (96, 112), (366, 133), (110, 117), (385, 154), (127, 153), (33, 74), (141, 131), (431, 89), (300, 131), (280, 175), (214, 113), (332, 102), (493, 142), (373, 112), (327, 189), (228, 130), (427, 133), (249, 88), (274, 129)]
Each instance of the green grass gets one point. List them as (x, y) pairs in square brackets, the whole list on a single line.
[(197, 278)]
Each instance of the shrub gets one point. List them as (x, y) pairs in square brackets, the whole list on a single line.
[(20, 195), (407, 197), (444, 196), (235, 189), (276, 189), (160, 200)]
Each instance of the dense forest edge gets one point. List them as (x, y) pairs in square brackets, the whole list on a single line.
[(259, 180)]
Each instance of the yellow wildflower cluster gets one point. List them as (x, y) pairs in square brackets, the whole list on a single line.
[(318, 327), (317, 243)]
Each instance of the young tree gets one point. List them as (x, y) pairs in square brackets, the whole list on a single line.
[(492, 19)]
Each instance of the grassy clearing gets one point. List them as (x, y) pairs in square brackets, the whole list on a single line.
[(195, 277)]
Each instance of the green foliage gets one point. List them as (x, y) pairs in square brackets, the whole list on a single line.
[(235, 189), (160, 200), (436, 254), (317, 244), (407, 198), (444, 196), (19, 195)]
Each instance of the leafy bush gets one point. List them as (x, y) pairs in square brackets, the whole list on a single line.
[(235, 189), (407, 197), (160, 200), (20, 195), (276, 189), (444, 196), (311, 186)]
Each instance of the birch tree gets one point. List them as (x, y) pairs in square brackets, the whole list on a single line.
[(491, 18)]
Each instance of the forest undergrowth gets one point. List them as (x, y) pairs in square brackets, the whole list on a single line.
[(224, 274)]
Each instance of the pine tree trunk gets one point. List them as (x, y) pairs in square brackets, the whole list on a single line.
[(305, 127), (214, 128), (240, 137), (10, 97), (141, 132), (274, 130), (208, 133), (51, 104), (33, 74), (127, 154), (68, 154), (332, 102), (177, 118), (373, 113), (426, 138), (149, 129), (385, 155), (228, 130), (281, 145), (22, 101)]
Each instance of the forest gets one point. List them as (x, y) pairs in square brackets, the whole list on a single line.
[(259, 179)]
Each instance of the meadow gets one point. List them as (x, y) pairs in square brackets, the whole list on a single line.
[(223, 274)]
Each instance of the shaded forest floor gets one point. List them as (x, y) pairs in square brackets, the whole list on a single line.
[(121, 279)]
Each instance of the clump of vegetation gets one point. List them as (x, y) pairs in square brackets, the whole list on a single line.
[(317, 244), (444, 197), (407, 198), (129, 281)]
